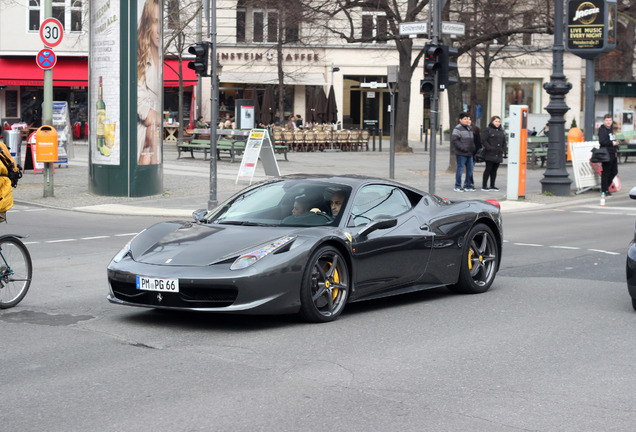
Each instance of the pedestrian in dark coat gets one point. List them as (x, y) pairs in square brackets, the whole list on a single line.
[(607, 139), (464, 147), (494, 143)]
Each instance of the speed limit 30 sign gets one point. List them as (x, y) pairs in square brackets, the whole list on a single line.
[(51, 32)]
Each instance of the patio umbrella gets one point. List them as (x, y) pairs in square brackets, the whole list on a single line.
[(310, 110), (257, 110), (332, 109), (268, 110), (321, 106)]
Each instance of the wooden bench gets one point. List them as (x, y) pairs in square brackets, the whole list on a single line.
[(197, 141), (537, 151), (625, 150)]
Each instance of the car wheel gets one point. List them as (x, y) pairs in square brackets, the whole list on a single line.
[(479, 262), (634, 303), (325, 287)]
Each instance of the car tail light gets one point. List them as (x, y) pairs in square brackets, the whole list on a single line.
[(495, 203)]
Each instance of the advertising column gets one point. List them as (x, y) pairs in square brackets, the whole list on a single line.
[(125, 81)]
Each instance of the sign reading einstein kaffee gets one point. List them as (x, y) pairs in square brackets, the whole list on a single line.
[(591, 27)]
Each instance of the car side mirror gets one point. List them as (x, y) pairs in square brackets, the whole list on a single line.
[(199, 215), (632, 193), (377, 225)]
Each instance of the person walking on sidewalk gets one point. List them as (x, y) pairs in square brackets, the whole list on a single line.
[(607, 139), (464, 146), (494, 143)]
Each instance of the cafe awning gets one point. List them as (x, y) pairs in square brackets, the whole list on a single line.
[(73, 72), (23, 71), (272, 78)]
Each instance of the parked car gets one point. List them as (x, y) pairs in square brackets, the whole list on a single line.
[(631, 261), (350, 238)]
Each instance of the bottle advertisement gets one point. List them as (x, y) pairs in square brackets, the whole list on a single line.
[(105, 83)]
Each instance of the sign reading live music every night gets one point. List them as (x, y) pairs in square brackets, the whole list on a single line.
[(591, 27)]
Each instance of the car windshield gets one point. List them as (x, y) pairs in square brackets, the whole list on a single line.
[(285, 203)]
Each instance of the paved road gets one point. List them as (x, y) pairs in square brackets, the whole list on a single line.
[(549, 348)]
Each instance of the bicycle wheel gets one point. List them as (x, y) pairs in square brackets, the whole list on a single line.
[(15, 271)]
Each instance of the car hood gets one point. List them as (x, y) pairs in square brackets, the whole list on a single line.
[(192, 244)]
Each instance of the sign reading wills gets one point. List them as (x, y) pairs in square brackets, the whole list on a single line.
[(591, 27)]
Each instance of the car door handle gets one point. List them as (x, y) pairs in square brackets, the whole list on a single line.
[(425, 227)]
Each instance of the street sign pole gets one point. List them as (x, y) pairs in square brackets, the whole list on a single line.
[(437, 20), (47, 110)]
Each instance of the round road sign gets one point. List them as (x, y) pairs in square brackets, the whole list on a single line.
[(51, 32), (46, 59)]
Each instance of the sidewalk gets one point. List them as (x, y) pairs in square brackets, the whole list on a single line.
[(187, 181)]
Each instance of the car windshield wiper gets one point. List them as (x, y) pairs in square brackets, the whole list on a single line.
[(241, 223)]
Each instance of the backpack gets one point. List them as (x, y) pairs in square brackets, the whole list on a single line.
[(15, 170)]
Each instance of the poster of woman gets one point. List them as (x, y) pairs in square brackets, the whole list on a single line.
[(149, 83)]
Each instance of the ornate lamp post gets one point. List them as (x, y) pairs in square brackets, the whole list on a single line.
[(556, 178)]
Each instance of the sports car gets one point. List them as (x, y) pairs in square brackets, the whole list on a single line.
[(310, 245)]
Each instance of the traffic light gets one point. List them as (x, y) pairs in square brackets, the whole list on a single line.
[(200, 63), (448, 71), (432, 66)]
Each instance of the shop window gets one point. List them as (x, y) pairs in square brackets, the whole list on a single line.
[(526, 92), (11, 103)]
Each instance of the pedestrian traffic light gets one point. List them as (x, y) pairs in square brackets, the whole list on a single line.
[(432, 66), (448, 70), (200, 62)]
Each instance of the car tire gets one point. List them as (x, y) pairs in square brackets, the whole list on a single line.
[(325, 287), (634, 303), (480, 259)]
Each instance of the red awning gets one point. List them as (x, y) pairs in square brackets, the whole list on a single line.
[(171, 74), (73, 72), (23, 71)]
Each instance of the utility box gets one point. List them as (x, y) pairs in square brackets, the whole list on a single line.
[(13, 139), (46, 144), (517, 152)]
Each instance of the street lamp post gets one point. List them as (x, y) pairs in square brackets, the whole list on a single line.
[(214, 111), (556, 178)]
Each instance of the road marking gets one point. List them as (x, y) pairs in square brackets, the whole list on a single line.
[(565, 247), (60, 241), (604, 251), (94, 238), (528, 244)]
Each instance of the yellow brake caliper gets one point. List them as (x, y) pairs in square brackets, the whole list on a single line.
[(336, 279)]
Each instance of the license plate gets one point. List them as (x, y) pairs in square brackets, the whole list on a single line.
[(157, 284)]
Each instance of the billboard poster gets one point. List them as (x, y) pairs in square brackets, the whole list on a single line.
[(104, 71), (149, 83)]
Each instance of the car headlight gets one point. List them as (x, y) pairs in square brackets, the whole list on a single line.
[(250, 258), (125, 250)]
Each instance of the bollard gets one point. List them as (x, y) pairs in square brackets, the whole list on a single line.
[(426, 140), (380, 139), (373, 133)]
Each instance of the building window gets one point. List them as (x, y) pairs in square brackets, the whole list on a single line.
[(240, 24), (526, 38), (374, 27), (267, 25), (68, 12), (34, 15), (173, 14)]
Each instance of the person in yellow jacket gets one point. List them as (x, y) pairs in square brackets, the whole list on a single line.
[(6, 187)]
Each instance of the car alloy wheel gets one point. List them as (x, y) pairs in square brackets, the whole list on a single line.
[(325, 286), (479, 261)]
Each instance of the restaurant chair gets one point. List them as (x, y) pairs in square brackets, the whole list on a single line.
[(310, 140), (299, 139)]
